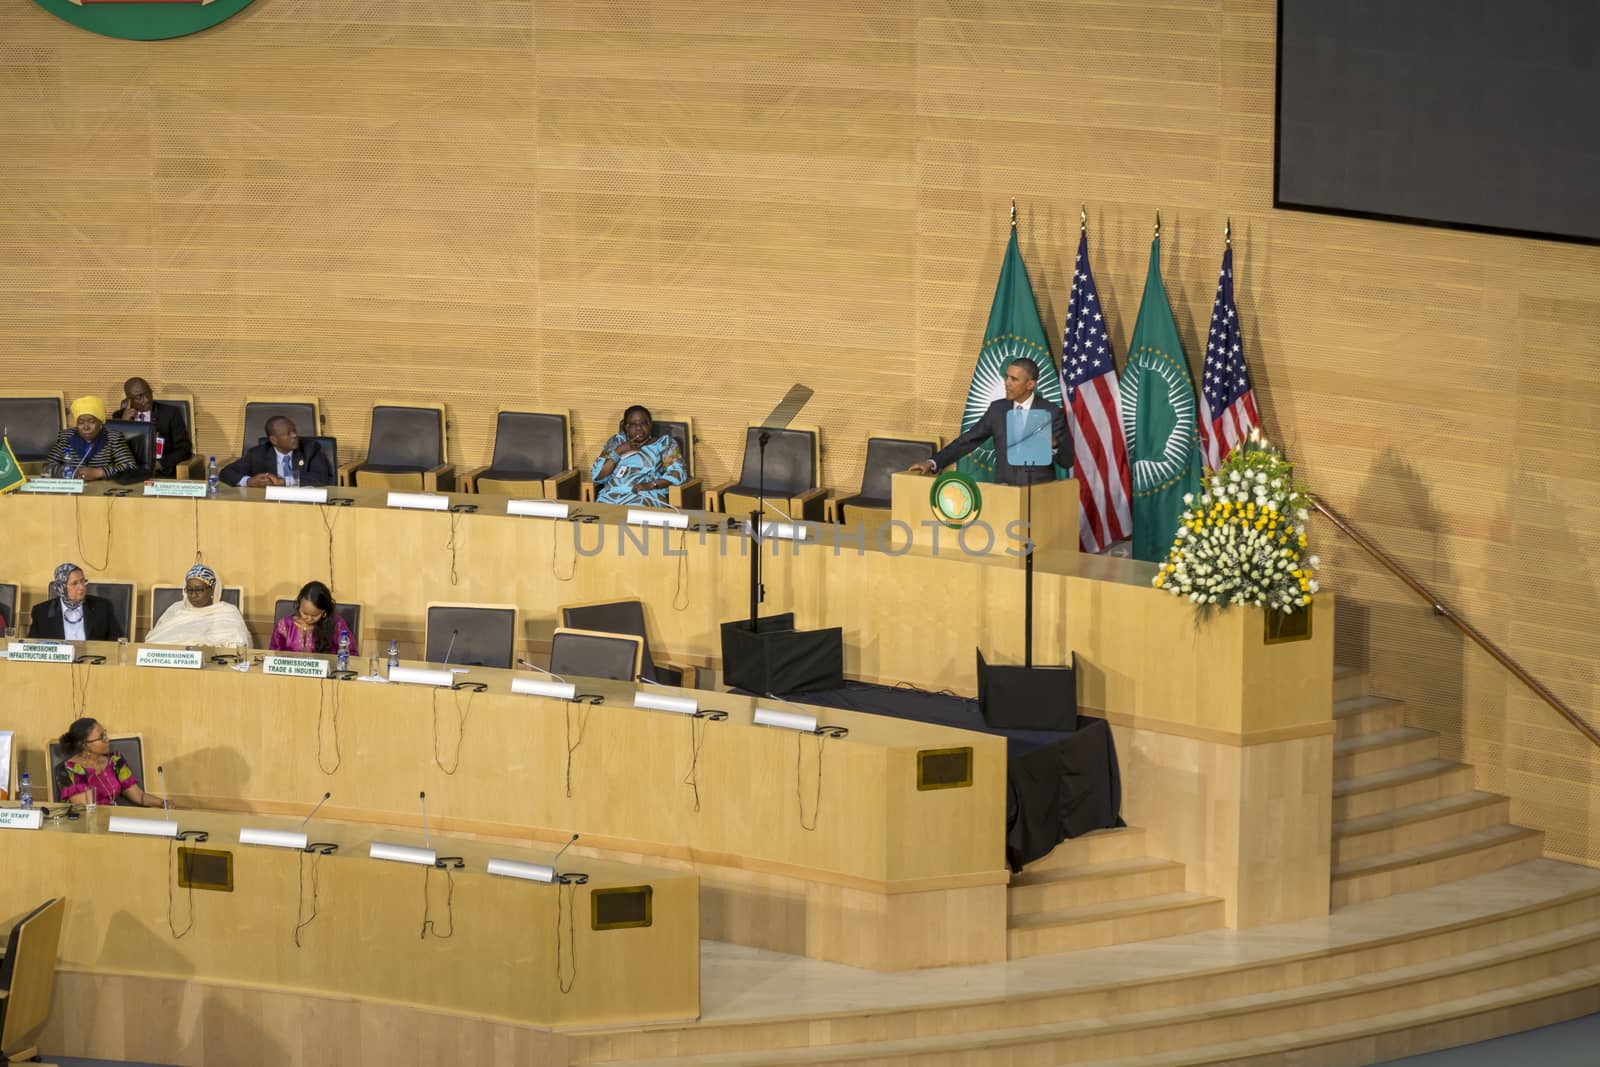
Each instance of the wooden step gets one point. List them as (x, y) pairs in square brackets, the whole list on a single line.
[(1035, 891), (1348, 682), (1567, 957), (1370, 794), (1000, 1008), (1427, 823), (1383, 751), (1097, 846), (1446, 861), (1367, 715), (1114, 923)]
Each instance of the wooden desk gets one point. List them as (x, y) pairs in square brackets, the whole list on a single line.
[(491, 953)]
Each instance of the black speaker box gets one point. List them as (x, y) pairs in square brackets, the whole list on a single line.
[(780, 659), (1028, 698)]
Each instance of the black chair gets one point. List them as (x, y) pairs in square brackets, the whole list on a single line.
[(407, 449), (163, 597), (32, 424), (8, 605), (587, 654), (794, 458), (532, 457), (691, 495), (129, 746), (626, 617), (195, 466), (350, 613), (120, 594), (27, 979), (886, 456), (472, 635), (141, 438), (304, 412), (329, 445)]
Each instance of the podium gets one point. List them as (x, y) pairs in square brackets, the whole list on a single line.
[(1001, 523)]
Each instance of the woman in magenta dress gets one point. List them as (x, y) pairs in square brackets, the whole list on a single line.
[(91, 765), (315, 626)]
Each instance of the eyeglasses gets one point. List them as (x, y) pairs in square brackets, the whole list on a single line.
[(196, 588)]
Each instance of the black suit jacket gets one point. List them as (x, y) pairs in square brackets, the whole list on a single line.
[(176, 445), (993, 425), (312, 462), (99, 621)]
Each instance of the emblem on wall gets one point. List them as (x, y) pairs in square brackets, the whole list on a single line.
[(144, 20)]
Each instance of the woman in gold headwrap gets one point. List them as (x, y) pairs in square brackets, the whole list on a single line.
[(89, 450)]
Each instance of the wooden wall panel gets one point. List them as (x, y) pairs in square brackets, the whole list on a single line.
[(694, 203)]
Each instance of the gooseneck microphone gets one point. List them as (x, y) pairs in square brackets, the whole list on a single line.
[(451, 647), (161, 772), (541, 670), (324, 800), (564, 848), (426, 840)]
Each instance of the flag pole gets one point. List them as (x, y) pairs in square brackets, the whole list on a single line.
[(1013, 213), (1158, 224), (1083, 220), (1227, 233)]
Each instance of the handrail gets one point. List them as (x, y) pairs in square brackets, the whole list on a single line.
[(1440, 608)]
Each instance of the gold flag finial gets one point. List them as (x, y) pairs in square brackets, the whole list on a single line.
[(1227, 233), (1158, 224), (1013, 212), (1083, 220)]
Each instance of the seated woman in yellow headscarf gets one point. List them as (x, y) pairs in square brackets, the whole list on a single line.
[(199, 618), (89, 450)]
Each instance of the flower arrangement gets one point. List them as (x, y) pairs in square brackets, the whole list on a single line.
[(1241, 541)]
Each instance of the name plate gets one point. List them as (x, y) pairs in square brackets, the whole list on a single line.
[(296, 666), (21, 818), (423, 501), (52, 485), (539, 687), (190, 659), (39, 652), (539, 509), (786, 531), (676, 520), (187, 489), (298, 494), (420, 676)]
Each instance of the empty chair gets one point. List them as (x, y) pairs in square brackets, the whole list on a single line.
[(129, 746), (407, 449), (8, 606), (163, 597), (590, 654), (532, 457), (887, 454), (626, 617), (31, 423), (472, 635), (793, 463), (350, 613), (120, 595), (27, 978), (141, 438)]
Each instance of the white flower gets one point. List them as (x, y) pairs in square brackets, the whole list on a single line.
[(1314, 561), (1188, 498), (1261, 479), (1233, 476)]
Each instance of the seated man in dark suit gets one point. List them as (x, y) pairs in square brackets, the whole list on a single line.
[(282, 457), (1022, 375), (173, 444)]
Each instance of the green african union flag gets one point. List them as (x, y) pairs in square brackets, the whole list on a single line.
[(1014, 330), (11, 475), (1158, 420)]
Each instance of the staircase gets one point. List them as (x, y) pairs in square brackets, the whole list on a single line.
[(1101, 889), (1404, 819)]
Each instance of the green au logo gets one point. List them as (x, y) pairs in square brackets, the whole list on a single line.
[(144, 20), (955, 499), (10, 474)]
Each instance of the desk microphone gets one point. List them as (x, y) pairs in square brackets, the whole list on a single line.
[(314, 810), (563, 850), (161, 773), (541, 670), (424, 798), (451, 647)]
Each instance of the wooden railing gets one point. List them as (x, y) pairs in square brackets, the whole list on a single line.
[(1440, 608)]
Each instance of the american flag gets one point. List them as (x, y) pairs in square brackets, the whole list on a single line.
[(1100, 457), (1227, 403)]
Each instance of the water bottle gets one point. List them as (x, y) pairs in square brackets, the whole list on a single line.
[(211, 476), (25, 791), (394, 655), (344, 651), (89, 801)]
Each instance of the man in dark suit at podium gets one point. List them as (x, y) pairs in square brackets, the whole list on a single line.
[(1022, 375), (284, 455)]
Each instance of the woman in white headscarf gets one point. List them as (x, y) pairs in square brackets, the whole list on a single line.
[(200, 618)]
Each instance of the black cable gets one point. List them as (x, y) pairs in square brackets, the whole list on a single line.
[(451, 545), (461, 728), (77, 522), (583, 724), (80, 688), (323, 509), (198, 557), (566, 984), (172, 874), (816, 806), (301, 921), (697, 738), (555, 544), (428, 926), (338, 756), (683, 573)]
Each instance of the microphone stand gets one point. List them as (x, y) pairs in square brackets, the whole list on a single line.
[(757, 592)]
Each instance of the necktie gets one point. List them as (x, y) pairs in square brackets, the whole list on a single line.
[(283, 466)]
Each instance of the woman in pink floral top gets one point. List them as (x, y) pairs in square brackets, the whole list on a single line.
[(92, 765), (315, 626)]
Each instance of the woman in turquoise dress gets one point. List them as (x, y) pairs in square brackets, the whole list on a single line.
[(636, 466)]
